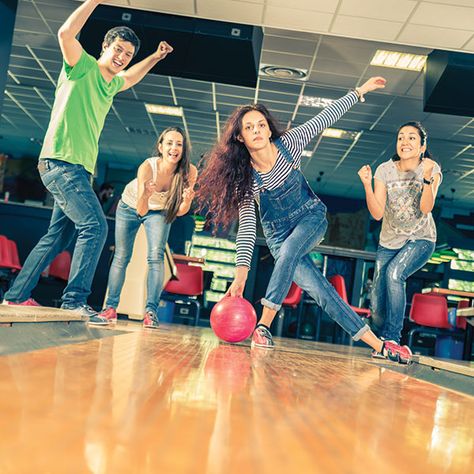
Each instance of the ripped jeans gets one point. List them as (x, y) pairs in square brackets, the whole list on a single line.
[(392, 268)]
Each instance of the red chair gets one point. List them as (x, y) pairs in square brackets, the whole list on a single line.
[(14, 257), (61, 266), (291, 302), (461, 322), (9, 254), (430, 313), (338, 282), (186, 288)]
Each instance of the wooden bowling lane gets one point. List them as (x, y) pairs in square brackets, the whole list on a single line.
[(175, 401)]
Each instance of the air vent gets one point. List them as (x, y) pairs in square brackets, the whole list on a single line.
[(140, 131), (283, 72)]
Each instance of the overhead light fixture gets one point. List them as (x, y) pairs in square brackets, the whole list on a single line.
[(283, 72), (397, 60), (339, 133), (309, 101), (164, 110)]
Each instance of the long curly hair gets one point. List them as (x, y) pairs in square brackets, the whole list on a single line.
[(181, 174), (226, 171)]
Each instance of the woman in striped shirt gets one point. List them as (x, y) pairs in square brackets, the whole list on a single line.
[(255, 161)]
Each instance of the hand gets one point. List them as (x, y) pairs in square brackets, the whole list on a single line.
[(374, 83), (365, 175), (236, 288), (428, 166), (163, 50), (150, 187), (188, 195)]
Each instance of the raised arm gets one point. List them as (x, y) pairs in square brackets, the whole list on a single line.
[(188, 193), (304, 133), (70, 46), (138, 71), (375, 198), (428, 195), (146, 187)]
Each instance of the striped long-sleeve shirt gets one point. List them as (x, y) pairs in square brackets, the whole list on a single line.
[(295, 140)]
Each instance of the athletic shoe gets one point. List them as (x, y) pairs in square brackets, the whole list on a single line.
[(262, 337), (150, 320), (87, 313), (397, 353), (109, 314), (28, 302)]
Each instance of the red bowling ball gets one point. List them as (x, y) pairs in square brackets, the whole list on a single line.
[(233, 319)]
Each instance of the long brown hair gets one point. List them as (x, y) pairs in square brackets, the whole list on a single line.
[(226, 178), (181, 174)]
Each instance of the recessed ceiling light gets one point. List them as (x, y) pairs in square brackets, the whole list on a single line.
[(397, 60), (164, 110), (339, 133), (309, 101), (283, 72)]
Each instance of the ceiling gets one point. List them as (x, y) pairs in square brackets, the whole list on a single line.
[(335, 64)]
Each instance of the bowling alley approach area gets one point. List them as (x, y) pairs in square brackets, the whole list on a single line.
[(236, 237), (176, 400)]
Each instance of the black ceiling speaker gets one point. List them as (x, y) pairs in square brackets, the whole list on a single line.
[(449, 83), (206, 50)]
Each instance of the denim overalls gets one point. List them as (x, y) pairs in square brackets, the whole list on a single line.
[(294, 221)]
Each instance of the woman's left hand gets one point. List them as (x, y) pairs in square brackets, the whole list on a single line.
[(374, 83), (428, 166)]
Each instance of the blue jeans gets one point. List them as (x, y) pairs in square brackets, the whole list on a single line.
[(292, 263), (127, 223), (76, 210), (392, 268)]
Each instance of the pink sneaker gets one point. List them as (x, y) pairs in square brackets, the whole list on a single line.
[(262, 337), (109, 314), (28, 302), (150, 320), (397, 353)]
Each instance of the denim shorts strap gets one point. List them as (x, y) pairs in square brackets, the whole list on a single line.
[(258, 179), (283, 150)]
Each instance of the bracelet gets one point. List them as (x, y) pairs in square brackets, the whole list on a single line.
[(359, 94)]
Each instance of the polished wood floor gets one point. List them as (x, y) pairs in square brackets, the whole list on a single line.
[(176, 401)]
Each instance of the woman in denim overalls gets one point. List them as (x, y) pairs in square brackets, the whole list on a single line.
[(293, 218)]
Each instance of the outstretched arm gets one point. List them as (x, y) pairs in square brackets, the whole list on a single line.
[(303, 134), (138, 71), (70, 46)]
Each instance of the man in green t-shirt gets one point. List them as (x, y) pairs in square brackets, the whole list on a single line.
[(84, 94)]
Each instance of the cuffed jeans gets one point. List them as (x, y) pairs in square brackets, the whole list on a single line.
[(290, 248)]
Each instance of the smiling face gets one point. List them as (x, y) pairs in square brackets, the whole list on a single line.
[(255, 132), (409, 143), (171, 147), (117, 55)]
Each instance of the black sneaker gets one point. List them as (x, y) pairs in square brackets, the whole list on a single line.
[(87, 313)]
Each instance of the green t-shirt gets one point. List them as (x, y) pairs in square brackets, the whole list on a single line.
[(83, 99)]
